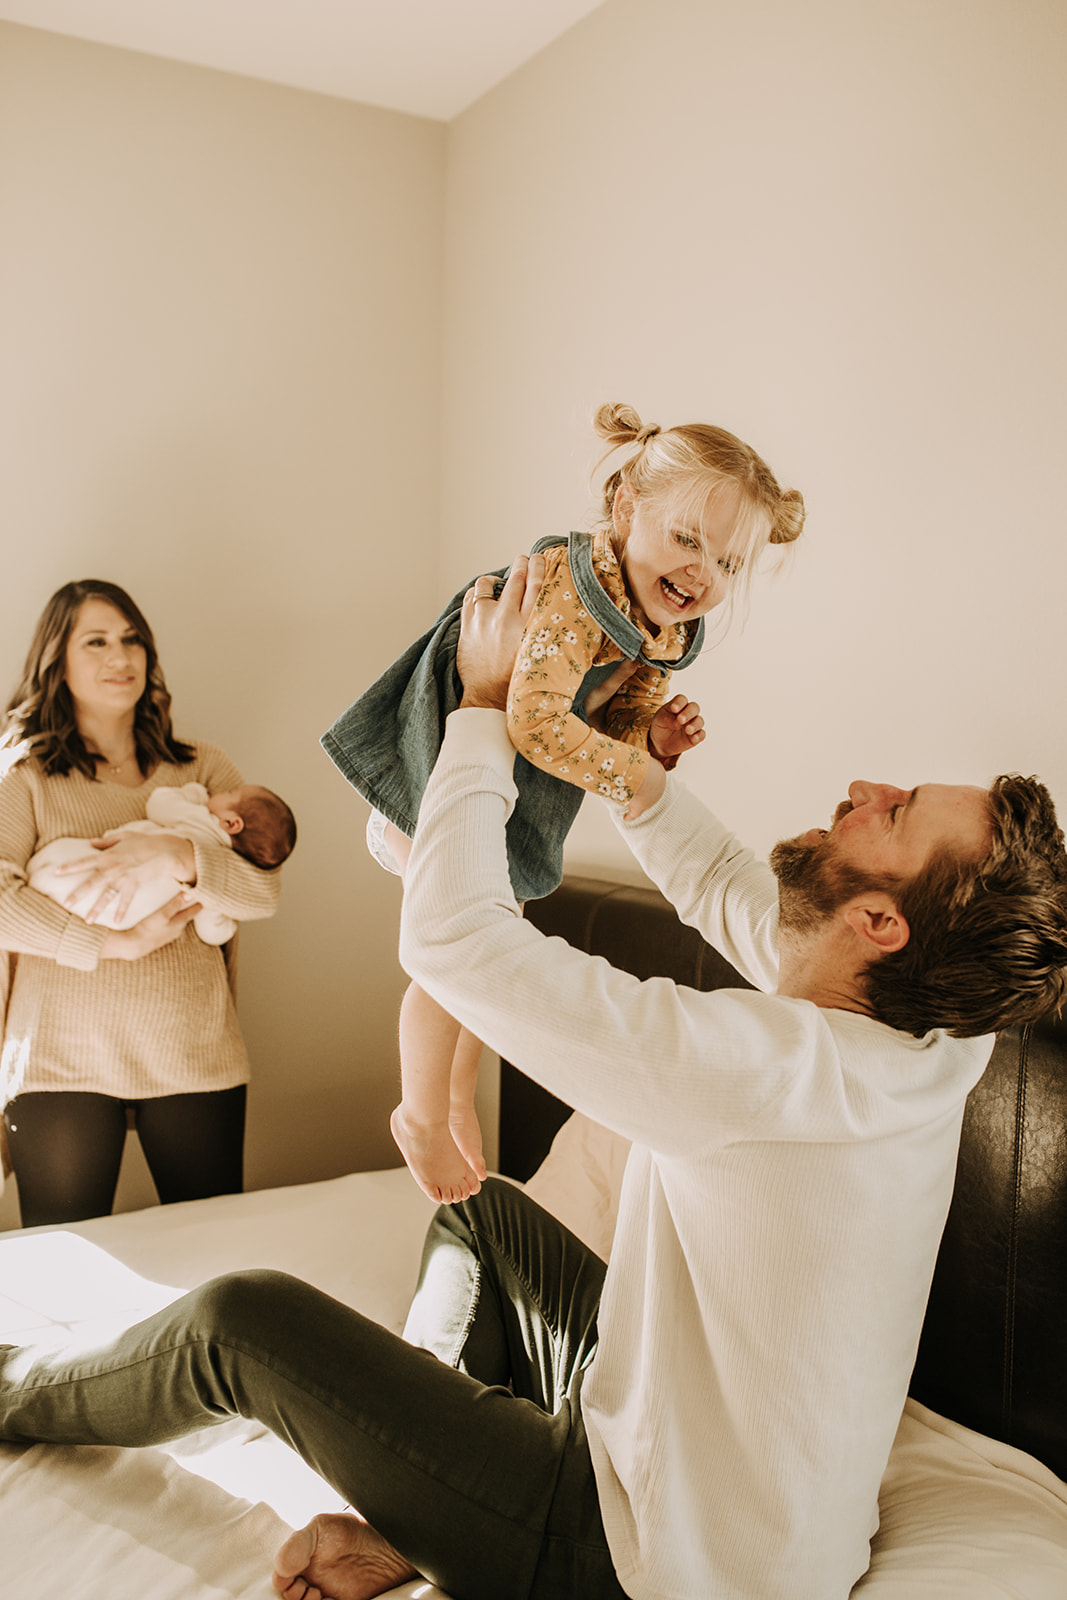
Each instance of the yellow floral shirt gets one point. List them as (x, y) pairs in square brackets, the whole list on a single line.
[(561, 643)]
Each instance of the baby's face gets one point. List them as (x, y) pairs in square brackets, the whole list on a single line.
[(229, 801)]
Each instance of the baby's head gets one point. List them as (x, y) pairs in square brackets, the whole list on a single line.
[(700, 484), (260, 825)]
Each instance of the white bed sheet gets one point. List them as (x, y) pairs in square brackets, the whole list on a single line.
[(202, 1518), (962, 1517)]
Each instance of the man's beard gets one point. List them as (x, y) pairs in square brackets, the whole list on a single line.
[(809, 890), (812, 883)]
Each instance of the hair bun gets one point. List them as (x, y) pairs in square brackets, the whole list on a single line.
[(619, 423), (789, 518)]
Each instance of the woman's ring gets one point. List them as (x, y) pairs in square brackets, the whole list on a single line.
[(112, 890)]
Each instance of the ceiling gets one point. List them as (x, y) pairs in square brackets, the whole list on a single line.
[(429, 57)]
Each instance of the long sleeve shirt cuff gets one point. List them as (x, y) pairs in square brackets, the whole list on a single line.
[(478, 734)]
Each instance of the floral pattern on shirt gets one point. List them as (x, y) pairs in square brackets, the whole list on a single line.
[(561, 643)]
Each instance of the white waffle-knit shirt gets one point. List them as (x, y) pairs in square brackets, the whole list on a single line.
[(782, 1206)]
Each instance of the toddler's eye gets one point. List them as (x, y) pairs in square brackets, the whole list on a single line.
[(687, 541)]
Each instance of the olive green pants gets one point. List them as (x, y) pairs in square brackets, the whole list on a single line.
[(468, 1454)]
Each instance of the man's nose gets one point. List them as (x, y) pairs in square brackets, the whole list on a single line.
[(864, 793)]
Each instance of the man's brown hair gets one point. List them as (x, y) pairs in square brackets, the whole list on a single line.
[(988, 939)]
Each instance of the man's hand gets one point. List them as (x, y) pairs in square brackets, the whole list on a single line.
[(490, 631), (676, 728)]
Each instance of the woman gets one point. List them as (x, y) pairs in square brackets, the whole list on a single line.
[(98, 1021)]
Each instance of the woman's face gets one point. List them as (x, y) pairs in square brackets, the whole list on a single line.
[(106, 662)]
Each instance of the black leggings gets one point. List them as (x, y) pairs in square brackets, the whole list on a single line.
[(66, 1149)]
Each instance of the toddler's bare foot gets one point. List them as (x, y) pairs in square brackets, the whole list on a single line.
[(466, 1133), (338, 1556), (433, 1159)]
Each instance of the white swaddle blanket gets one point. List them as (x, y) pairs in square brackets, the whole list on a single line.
[(181, 810)]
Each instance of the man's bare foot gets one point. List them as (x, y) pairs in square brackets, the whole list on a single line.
[(466, 1133), (338, 1556), (433, 1159)]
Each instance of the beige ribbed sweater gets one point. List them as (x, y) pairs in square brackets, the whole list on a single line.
[(163, 1024)]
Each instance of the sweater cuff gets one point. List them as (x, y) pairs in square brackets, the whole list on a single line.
[(79, 945)]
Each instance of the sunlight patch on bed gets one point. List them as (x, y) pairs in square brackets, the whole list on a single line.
[(60, 1281)]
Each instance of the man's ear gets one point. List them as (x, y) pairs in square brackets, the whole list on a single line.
[(876, 918)]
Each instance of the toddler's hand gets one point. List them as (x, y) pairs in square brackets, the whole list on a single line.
[(676, 728)]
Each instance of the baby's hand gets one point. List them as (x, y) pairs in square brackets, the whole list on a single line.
[(676, 728)]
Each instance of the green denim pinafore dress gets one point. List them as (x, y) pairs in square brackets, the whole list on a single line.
[(387, 741)]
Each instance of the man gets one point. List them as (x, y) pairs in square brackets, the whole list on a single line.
[(711, 1417)]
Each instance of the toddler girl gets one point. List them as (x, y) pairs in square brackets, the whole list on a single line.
[(684, 519)]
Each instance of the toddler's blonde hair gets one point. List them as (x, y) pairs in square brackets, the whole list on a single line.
[(685, 470)]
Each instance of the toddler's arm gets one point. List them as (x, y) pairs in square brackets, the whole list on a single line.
[(640, 713), (559, 645), (545, 730)]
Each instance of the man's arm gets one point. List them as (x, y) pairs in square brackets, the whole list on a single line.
[(669, 1067), (712, 881), (715, 883)]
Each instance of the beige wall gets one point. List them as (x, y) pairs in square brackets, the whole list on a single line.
[(837, 230), (834, 228), (221, 330)]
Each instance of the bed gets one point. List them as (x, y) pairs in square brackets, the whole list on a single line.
[(974, 1506)]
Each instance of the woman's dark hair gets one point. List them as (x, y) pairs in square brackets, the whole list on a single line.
[(40, 714)]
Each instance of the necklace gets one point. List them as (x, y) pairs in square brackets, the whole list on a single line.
[(114, 767)]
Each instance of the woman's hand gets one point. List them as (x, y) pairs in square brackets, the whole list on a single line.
[(152, 933), (676, 728), (490, 631), (120, 864)]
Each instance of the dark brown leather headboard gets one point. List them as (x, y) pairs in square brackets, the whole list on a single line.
[(994, 1347)]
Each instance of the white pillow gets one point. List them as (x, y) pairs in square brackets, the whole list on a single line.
[(579, 1180)]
